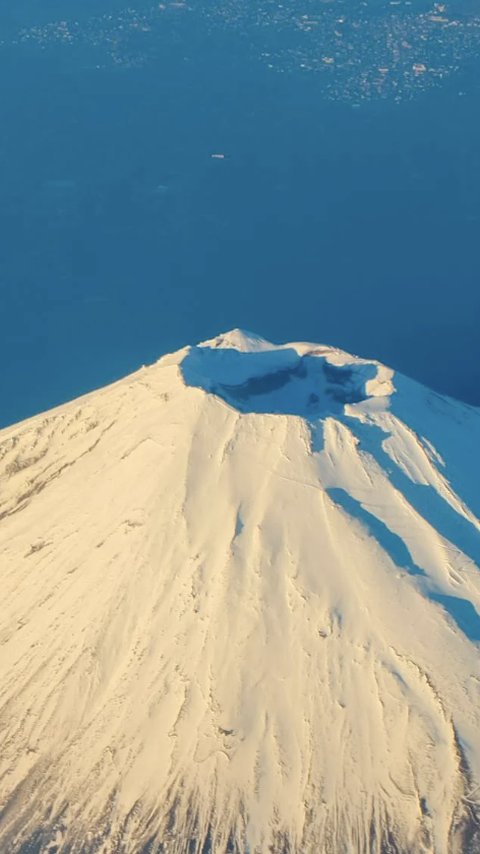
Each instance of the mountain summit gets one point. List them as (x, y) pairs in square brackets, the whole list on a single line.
[(241, 612)]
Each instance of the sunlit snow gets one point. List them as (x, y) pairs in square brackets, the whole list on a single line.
[(241, 611)]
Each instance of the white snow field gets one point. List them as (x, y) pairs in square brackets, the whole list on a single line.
[(240, 612)]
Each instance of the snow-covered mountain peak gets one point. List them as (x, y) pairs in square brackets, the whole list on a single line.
[(304, 379), (239, 339), (241, 612)]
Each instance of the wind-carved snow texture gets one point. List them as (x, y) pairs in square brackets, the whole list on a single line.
[(241, 612)]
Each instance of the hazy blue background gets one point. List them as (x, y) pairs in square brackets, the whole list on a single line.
[(121, 238)]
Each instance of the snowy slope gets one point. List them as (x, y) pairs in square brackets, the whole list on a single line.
[(241, 612)]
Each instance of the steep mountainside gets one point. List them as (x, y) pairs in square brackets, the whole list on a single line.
[(241, 612)]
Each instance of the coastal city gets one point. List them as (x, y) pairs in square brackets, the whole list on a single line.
[(359, 51)]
